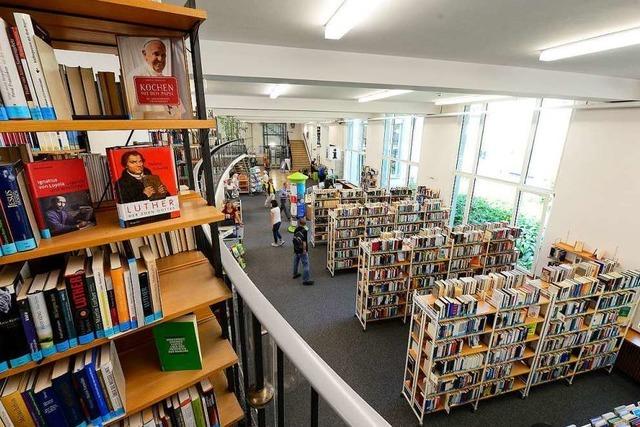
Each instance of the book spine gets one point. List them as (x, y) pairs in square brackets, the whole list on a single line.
[(146, 297), (111, 388), (105, 393), (5, 420), (17, 410), (103, 301), (14, 348), (113, 308), (68, 317), (96, 316), (43, 323), (84, 391), (25, 78), (131, 304), (80, 307), (50, 406), (34, 410), (13, 205), (3, 111), (137, 292), (96, 391), (13, 98), (212, 409), (56, 318), (68, 399), (8, 246), (26, 31), (120, 296)]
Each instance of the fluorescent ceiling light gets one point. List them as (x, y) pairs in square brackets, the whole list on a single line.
[(468, 99), (592, 45), (383, 94), (348, 15), (278, 90)]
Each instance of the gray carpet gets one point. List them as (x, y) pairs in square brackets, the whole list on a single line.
[(372, 362)]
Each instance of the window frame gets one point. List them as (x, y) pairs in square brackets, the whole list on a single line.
[(387, 145), (358, 153)]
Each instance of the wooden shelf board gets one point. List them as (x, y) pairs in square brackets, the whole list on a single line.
[(79, 125), (567, 247), (147, 384), (229, 409), (192, 212), (633, 337), (176, 302)]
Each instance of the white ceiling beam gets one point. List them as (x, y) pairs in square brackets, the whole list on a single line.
[(313, 104), (279, 64), (287, 115)]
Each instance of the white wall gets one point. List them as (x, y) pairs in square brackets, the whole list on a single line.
[(294, 130), (335, 135), (440, 140)]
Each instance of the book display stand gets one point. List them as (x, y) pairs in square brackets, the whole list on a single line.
[(321, 202)]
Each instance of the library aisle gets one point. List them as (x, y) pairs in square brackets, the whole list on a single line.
[(372, 362)]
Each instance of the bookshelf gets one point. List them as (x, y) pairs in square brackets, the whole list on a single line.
[(188, 281), (378, 219), (346, 228), (322, 201), (398, 194), (430, 252), (409, 217), (383, 271), (377, 195), (351, 195)]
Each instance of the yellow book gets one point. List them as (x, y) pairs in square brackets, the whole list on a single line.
[(13, 402), (120, 292)]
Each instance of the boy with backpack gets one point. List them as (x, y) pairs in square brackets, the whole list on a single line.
[(301, 253)]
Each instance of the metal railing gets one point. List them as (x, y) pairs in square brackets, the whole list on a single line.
[(222, 156), (250, 316)]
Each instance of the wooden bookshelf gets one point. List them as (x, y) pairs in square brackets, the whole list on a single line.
[(175, 301), (229, 409), (98, 125), (146, 384), (321, 202), (192, 212), (570, 249)]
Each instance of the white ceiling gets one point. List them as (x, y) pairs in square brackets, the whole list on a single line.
[(504, 32)]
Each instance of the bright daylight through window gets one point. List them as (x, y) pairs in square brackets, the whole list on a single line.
[(508, 161), (355, 149), (401, 151)]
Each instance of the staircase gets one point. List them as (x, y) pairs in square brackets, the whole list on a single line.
[(242, 169), (299, 157)]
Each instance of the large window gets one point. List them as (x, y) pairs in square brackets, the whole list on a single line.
[(401, 151), (356, 144), (507, 165)]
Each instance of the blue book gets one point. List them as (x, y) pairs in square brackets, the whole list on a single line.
[(90, 362), (7, 245), (56, 315), (47, 399), (27, 323), (3, 113), (62, 383), (68, 316), (14, 348), (29, 397), (14, 207), (83, 390)]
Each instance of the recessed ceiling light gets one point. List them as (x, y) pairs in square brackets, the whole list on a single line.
[(595, 44), (278, 90), (383, 94), (347, 16), (468, 99)]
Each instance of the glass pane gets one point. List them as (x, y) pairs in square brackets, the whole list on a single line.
[(384, 174), (492, 201), (364, 135), (347, 166), (547, 147), (530, 211), (356, 135), (405, 138), (416, 143), (349, 131), (469, 138), (504, 140), (460, 191), (413, 176), (398, 174)]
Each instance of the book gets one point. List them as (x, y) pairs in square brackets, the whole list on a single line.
[(56, 312), (146, 298), (47, 400), (41, 318), (209, 398), (29, 397), (136, 202), (13, 402), (60, 192), (120, 292), (65, 302), (111, 298), (55, 85), (83, 390), (74, 277), (90, 91), (28, 324), (96, 315), (155, 78), (186, 408), (154, 280), (90, 366), (133, 285), (131, 303), (76, 90), (110, 371), (97, 267), (198, 407), (13, 97), (4, 416), (15, 208), (23, 73), (62, 383), (103, 92), (15, 349), (178, 344)]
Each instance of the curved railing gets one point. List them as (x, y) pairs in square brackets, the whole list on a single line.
[(222, 156)]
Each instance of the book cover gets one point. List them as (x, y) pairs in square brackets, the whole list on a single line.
[(14, 347), (13, 402), (90, 365), (4, 416), (155, 78), (60, 192), (139, 199), (113, 378), (76, 89), (133, 284), (111, 299), (96, 316), (128, 286), (62, 383), (186, 408), (198, 407), (83, 390), (74, 276), (90, 91), (97, 267), (68, 314), (47, 400), (29, 397), (28, 324), (41, 318), (21, 179), (51, 73), (56, 315), (154, 280), (120, 292), (178, 344), (145, 293), (13, 98), (7, 245), (14, 208), (23, 72)]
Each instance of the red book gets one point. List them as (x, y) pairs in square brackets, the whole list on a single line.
[(144, 183), (60, 194)]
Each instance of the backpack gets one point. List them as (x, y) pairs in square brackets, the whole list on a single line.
[(298, 243)]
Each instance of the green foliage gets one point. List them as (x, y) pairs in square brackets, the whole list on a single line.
[(229, 127), (483, 210)]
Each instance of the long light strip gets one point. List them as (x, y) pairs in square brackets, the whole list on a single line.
[(468, 99), (596, 44), (278, 90), (348, 15), (383, 94)]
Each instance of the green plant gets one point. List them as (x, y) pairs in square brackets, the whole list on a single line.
[(229, 127)]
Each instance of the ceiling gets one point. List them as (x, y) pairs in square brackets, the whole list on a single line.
[(504, 32)]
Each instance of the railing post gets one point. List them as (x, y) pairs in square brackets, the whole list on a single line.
[(280, 385), (261, 393), (314, 408), (186, 146)]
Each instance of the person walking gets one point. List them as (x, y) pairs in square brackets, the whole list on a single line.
[(275, 224), (270, 191), (283, 195), (301, 253)]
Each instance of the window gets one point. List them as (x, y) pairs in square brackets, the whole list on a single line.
[(401, 151), (356, 144), (508, 160)]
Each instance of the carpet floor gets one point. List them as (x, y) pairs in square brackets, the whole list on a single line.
[(372, 362)]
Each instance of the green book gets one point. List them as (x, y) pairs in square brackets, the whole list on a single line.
[(178, 344), (624, 311), (198, 408)]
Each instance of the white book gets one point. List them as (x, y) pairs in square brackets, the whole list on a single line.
[(112, 376), (13, 96), (191, 238), (40, 314), (135, 287), (97, 265), (159, 245), (154, 280), (186, 408), (130, 300)]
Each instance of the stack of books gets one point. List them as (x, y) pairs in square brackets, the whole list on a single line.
[(579, 286), (460, 306), (621, 416)]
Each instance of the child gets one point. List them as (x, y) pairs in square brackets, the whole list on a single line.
[(275, 223)]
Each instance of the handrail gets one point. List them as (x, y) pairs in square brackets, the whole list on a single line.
[(197, 170)]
